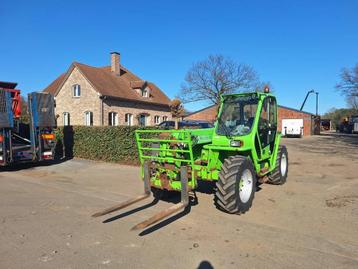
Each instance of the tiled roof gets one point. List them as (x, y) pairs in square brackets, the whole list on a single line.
[(52, 88), (138, 84), (109, 84)]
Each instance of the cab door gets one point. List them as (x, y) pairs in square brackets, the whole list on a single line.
[(267, 127)]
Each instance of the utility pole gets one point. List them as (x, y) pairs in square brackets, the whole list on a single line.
[(317, 103)]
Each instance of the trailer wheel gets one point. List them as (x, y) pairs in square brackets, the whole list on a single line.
[(236, 185), (279, 175)]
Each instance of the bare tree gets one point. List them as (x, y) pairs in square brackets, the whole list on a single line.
[(217, 75), (348, 85), (352, 101)]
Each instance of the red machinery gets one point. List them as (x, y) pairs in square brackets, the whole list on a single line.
[(15, 95)]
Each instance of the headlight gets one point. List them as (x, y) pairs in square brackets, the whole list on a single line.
[(236, 143)]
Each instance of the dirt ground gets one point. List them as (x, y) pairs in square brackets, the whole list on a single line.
[(310, 222)]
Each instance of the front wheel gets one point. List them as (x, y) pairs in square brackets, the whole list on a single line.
[(236, 185)]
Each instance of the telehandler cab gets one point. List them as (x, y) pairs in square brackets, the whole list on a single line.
[(241, 151)]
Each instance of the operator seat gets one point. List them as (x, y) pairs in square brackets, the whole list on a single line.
[(250, 121)]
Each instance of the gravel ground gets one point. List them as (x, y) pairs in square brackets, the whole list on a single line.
[(310, 222)]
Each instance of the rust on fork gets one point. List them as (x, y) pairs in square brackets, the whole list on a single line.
[(121, 205), (159, 216)]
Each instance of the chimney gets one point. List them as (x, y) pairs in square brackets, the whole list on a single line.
[(115, 62)]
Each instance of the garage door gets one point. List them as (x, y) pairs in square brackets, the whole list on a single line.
[(292, 127)]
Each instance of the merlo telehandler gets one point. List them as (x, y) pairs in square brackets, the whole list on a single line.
[(240, 152)]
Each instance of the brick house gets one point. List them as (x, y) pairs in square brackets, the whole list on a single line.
[(110, 95), (209, 114)]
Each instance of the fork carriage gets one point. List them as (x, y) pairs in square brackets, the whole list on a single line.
[(167, 151)]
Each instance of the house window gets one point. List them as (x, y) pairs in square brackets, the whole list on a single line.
[(156, 119), (165, 118), (128, 118), (112, 119), (76, 90), (66, 119), (88, 118), (142, 120), (145, 93)]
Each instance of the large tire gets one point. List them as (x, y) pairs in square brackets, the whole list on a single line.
[(279, 175), (236, 185)]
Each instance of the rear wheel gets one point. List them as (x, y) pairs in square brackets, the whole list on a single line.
[(279, 175), (236, 185)]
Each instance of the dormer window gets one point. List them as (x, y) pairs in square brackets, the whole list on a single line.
[(145, 92), (76, 90)]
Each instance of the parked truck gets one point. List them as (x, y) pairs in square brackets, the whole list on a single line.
[(348, 125), (354, 120), (30, 142)]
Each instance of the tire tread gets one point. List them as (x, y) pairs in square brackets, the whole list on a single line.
[(275, 178), (225, 197)]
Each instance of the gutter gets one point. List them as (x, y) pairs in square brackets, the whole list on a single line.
[(135, 101), (102, 97)]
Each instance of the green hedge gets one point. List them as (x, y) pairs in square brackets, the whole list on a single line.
[(111, 144)]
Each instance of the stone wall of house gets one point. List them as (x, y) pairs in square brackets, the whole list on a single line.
[(135, 108), (77, 106)]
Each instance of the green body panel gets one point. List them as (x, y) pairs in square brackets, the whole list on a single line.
[(202, 150)]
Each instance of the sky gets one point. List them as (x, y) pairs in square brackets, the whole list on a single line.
[(295, 45)]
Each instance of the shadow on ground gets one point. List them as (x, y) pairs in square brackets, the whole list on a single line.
[(170, 197), (351, 139), (31, 165), (343, 145), (205, 265)]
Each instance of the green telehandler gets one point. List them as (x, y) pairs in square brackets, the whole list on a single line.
[(240, 152)]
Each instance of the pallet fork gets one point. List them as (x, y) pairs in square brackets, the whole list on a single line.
[(147, 191)]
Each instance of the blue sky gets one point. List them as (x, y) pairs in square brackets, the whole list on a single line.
[(296, 45)]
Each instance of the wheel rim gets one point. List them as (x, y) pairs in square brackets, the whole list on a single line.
[(246, 182), (283, 164)]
